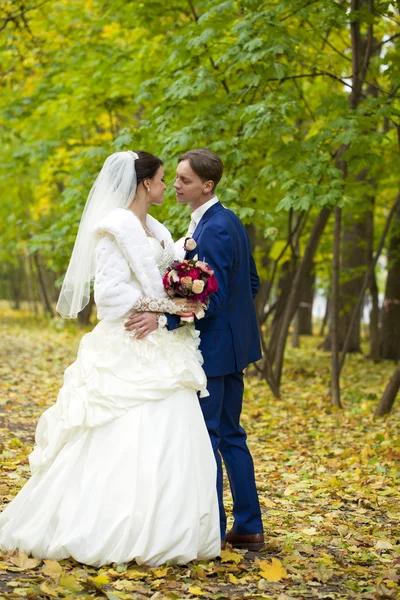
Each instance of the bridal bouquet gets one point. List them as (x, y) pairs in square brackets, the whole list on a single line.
[(191, 278)]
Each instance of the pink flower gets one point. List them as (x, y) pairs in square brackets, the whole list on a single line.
[(198, 286), (212, 285), (194, 273), (186, 282), (205, 267)]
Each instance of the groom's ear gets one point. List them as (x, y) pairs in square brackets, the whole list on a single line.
[(208, 186)]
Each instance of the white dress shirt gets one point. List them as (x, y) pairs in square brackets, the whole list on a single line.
[(199, 213), (194, 221)]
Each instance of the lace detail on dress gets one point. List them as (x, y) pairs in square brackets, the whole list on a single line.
[(161, 305), (164, 256)]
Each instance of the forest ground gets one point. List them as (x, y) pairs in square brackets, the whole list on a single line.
[(328, 483)]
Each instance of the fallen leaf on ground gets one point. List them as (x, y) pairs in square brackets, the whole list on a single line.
[(230, 556), (24, 562), (273, 571)]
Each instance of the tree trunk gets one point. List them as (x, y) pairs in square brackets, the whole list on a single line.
[(304, 312), (390, 343), (354, 261), (374, 353), (367, 277), (374, 333), (43, 286), (29, 285), (295, 333), (17, 277), (353, 255), (326, 315), (264, 291), (284, 286), (303, 268), (30, 271), (389, 395), (335, 384)]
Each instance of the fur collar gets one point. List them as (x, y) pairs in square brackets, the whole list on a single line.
[(136, 248)]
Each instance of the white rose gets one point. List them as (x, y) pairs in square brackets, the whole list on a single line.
[(190, 244), (198, 286)]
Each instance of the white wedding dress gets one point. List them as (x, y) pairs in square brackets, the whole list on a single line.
[(123, 467)]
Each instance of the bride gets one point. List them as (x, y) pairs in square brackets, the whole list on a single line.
[(123, 467)]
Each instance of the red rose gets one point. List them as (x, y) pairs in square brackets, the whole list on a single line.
[(194, 273)]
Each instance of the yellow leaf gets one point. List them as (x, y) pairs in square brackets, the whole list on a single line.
[(46, 589), (309, 530), (230, 556), (123, 585), (23, 562), (160, 573), (267, 502), (52, 568), (135, 574), (274, 571), (196, 591), (233, 579), (365, 453), (326, 559), (100, 580), (69, 582)]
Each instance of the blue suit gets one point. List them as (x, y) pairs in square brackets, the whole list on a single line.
[(229, 342)]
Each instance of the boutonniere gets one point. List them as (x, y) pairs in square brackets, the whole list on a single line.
[(189, 244)]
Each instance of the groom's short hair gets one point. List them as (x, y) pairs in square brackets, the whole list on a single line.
[(205, 163)]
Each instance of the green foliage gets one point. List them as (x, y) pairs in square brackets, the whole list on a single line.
[(266, 85)]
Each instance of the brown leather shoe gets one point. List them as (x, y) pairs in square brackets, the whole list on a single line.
[(250, 541)]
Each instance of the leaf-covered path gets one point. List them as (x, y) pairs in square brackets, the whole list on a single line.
[(328, 483)]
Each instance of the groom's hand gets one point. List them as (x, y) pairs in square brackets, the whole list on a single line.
[(143, 323)]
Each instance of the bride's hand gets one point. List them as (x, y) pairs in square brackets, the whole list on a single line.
[(186, 307)]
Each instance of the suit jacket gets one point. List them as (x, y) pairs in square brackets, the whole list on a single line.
[(229, 331)]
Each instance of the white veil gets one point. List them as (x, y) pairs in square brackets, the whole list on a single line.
[(115, 187)]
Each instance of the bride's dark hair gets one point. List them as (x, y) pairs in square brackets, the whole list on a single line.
[(146, 165)]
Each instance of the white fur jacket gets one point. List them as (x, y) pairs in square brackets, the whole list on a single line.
[(126, 268)]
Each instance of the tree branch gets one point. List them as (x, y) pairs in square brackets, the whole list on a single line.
[(304, 100), (396, 35), (13, 17), (327, 42), (297, 10), (214, 66), (368, 49)]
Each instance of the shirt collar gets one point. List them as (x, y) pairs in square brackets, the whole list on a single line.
[(199, 212)]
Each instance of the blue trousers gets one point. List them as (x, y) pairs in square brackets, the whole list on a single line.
[(221, 412)]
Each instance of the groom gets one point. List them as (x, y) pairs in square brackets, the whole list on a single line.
[(229, 335)]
